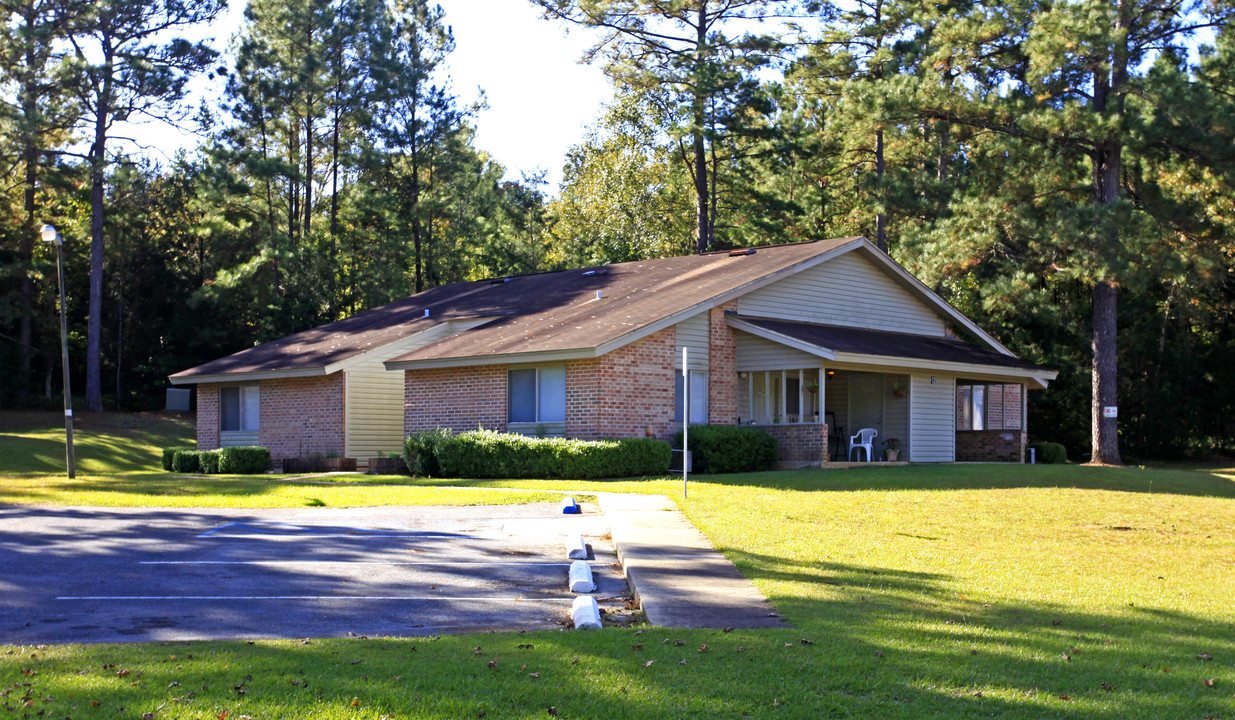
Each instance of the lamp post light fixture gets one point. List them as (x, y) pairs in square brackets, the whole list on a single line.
[(50, 235)]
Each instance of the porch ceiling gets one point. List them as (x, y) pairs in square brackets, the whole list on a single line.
[(863, 346)]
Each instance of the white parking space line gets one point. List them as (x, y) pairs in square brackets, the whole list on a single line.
[(284, 530), (162, 598), (353, 562)]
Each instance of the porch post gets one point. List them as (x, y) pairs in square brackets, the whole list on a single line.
[(823, 416)]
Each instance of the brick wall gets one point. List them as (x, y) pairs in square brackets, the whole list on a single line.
[(635, 391), (805, 442), (1012, 401), (208, 416), (722, 368), (301, 416), (456, 398), (1007, 446)]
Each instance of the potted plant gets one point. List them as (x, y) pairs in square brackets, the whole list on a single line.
[(776, 419), (897, 390), (812, 387), (892, 448)]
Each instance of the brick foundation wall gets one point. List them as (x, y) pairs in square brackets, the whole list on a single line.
[(301, 416), (208, 416), (456, 398), (806, 442), (722, 367), (1006, 446)]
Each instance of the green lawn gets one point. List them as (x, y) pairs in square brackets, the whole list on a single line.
[(965, 591)]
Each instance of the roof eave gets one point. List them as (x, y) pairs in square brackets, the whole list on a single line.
[(739, 324), (1036, 376), (521, 358), (251, 376)]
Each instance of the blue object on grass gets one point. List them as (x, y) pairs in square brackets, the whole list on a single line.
[(570, 507)]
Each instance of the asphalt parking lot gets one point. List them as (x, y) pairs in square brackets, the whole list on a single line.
[(117, 575)]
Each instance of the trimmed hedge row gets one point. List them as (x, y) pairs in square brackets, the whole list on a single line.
[(487, 453), (225, 461), (729, 448), (1048, 453)]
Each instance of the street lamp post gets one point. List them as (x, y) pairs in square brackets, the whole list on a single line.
[(50, 235)]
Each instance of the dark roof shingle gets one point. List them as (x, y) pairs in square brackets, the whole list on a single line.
[(891, 344), (556, 311)]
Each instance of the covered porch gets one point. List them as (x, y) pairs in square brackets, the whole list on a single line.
[(932, 399), (813, 412)]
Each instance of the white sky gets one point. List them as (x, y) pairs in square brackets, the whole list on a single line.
[(541, 100)]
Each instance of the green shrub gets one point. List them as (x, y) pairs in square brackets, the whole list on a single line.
[(186, 461), (420, 451), (169, 453), (485, 453), (729, 448), (1048, 453), (209, 460), (244, 460)]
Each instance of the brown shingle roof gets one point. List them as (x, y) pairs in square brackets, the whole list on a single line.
[(560, 312), (891, 344), (556, 311)]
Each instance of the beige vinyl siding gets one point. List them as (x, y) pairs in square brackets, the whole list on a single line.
[(245, 438), (693, 333), (896, 411), (932, 418), (374, 397), (756, 353), (848, 290)]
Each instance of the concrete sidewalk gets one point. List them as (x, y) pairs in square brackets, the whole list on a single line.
[(676, 574)]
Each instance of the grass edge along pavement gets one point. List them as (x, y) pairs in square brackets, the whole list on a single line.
[(949, 591)]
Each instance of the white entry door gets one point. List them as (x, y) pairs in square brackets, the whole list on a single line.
[(866, 407)]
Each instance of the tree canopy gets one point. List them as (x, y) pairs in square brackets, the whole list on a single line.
[(1059, 171)]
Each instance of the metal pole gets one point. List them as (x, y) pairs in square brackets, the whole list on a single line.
[(685, 422), (64, 359)]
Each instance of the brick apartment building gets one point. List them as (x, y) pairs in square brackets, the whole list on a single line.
[(810, 341)]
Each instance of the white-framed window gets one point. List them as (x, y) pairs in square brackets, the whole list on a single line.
[(993, 406), (698, 396), (536, 395), (775, 396), (239, 408)]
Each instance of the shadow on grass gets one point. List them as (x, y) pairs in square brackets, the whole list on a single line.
[(885, 644), (34, 443), (1170, 481)]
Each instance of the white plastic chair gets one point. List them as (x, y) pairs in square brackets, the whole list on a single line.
[(863, 440)]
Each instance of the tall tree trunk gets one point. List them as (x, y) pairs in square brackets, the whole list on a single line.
[(415, 210), (25, 260), (270, 219), (308, 171), (1104, 436), (293, 187), (1108, 99), (98, 163), (703, 223), (119, 331), (881, 219)]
